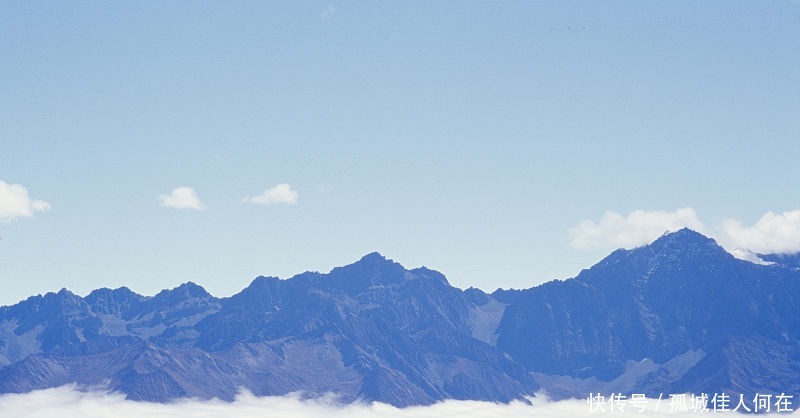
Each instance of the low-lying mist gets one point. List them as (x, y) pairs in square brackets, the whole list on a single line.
[(68, 402)]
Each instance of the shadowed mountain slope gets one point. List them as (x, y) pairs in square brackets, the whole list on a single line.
[(679, 315)]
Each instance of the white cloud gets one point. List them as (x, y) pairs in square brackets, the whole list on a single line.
[(323, 188), (773, 233), (638, 228), (182, 198), (281, 193), (66, 402), (15, 202)]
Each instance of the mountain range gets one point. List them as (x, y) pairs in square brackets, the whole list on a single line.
[(679, 315)]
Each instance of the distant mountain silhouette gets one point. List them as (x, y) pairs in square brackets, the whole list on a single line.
[(679, 315)]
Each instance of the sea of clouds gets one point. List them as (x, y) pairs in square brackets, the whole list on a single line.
[(67, 402)]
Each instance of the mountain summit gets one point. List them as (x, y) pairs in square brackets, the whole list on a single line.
[(678, 315), (372, 270)]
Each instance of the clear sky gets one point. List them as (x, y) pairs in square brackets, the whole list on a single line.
[(502, 143)]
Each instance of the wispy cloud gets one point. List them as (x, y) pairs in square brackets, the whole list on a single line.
[(66, 402), (323, 188), (327, 13), (16, 203), (182, 198), (638, 228), (281, 193)]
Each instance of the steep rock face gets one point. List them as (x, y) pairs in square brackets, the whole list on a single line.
[(371, 330), (678, 315), (746, 365), (784, 260), (681, 293)]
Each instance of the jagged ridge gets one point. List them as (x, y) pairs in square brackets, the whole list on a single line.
[(680, 314)]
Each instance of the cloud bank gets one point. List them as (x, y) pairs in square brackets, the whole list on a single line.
[(182, 198), (772, 233), (638, 228), (16, 203), (281, 193), (66, 402)]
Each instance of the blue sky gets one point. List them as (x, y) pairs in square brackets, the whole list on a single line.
[(504, 144)]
